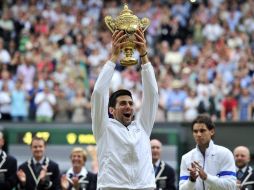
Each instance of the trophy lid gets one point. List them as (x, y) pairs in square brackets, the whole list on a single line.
[(126, 10), (127, 13)]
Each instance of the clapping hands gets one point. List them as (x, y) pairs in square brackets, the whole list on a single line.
[(196, 171)]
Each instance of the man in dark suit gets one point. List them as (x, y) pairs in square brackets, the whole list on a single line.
[(244, 174), (8, 168), (164, 174), (39, 172), (78, 177)]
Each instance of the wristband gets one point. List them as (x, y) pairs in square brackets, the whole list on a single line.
[(143, 54)]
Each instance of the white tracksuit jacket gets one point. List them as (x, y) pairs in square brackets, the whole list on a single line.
[(124, 153), (219, 165)]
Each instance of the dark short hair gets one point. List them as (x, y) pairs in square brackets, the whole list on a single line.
[(116, 94), (204, 119), (36, 138)]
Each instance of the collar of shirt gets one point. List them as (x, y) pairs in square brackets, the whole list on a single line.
[(120, 124), (83, 172), (209, 149), (1, 151), (40, 161), (157, 163)]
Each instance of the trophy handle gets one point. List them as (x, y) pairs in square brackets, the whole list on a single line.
[(145, 22), (110, 23)]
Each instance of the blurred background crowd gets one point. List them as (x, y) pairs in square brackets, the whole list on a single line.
[(52, 51)]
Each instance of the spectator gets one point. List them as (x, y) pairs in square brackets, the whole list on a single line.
[(5, 57), (31, 97), (175, 102), (6, 25), (62, 107), (39, 172), (69, 42), (19, 111), (190, 106), (5, 103), (26, 71), (81, 107), (45, 102), (181, 10), (189, 48), (197, 35), (78, 177), (15, 62), (244, 174), (8, 168), (212, 30), (174, 58), (244, 105), (208, 165), (229, 108), (6, 78), (69, 48), (164, 173)]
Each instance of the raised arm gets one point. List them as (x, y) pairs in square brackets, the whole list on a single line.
[(150, 87), (100, 95)]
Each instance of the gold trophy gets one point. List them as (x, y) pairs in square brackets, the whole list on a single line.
[(129, 23)]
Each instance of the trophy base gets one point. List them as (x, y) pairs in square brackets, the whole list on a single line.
[(128, 61)]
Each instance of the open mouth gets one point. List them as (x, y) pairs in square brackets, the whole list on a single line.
[(127, 114)]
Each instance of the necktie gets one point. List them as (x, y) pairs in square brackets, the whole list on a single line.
[(239, 174), (37, 168), (155, 169)]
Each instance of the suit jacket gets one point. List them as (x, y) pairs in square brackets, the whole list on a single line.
[(247, 180), (8, 169), (87, 180), (165, 177), (52, 181)]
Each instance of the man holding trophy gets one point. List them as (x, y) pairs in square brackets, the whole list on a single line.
[(123, 144)]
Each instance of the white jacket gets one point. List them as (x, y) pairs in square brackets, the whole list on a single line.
[(124, 153), (219, 165)]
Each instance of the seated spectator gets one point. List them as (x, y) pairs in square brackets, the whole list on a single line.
[(78, 177)]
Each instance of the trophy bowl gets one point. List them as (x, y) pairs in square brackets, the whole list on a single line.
[(129, 23)]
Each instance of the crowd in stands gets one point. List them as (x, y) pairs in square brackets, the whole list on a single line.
[(52, 51)]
